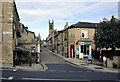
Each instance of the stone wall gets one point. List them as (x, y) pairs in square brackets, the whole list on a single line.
[(7, 26), (0, 31), (74, 34)]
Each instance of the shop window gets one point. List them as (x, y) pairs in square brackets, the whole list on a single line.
[(85, 49), (81, 48), (88, 49), (84, 33)]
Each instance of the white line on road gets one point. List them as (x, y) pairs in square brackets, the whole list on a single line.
[(79, 71), (5, 69), (3, 78), (71, 71), (56, 79), (10, 78), (52, 70)]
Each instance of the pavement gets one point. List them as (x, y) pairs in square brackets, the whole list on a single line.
[(96, 66), (26, 67)]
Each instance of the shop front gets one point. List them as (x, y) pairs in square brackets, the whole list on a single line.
[(85, 48)]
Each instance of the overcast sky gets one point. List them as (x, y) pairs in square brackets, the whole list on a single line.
[(36, 15)]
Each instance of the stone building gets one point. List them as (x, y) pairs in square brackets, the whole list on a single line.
[(50, 38), (10, 23), (16, 41), (0, 31), (119, 10), (78, 36), (27, 42), (58, 42), (43, 43)]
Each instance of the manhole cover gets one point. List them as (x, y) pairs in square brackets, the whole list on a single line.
[(98, 67)]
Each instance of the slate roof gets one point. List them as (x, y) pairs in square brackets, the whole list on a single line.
[(81, 25), (84, 25)]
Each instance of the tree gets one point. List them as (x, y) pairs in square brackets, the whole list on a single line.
[(107, 34)]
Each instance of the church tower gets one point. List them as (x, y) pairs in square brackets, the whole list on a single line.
[(51, 33), (51, 27)]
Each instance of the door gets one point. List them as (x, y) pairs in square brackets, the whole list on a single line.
[(85, 49), (71, 51)]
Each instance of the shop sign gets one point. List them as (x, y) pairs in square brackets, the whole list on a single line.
[(85, 43), (81, 55), (81, 43)]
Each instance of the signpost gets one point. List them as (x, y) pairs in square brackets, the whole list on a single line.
[(81, 56)]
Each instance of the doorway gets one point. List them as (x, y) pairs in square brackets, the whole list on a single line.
[(72, 51), (85, 49)]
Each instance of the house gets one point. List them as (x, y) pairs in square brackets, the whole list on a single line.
[(78, 36), (10, 24), (16, 41)]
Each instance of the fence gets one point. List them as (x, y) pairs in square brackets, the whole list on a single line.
[(109, 53)]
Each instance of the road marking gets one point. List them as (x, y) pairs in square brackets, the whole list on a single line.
[(56, 79), (10, 78), (52, 70), (71, 71), (44, 67), (3, 78), (5, 69)]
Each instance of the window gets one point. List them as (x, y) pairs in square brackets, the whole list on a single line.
[(84, 33), (65, 36), (13, 27), (25, 32)]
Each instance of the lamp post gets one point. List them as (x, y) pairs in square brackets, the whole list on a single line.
[(38, 55)]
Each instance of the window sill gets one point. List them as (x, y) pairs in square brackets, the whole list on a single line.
[(85, 37)]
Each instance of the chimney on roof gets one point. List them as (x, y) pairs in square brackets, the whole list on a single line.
[(112, 16), (66, 26)]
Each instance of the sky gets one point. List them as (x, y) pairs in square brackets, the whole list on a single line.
[(35, 14)]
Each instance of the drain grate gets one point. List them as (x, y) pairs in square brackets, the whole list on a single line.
[(98, 67)]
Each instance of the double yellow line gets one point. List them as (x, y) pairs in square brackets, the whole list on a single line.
[(44, 67)]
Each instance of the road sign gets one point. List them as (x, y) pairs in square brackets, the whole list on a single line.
[(7, 32)]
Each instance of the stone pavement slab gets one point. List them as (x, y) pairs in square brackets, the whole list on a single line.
[(34, 67)]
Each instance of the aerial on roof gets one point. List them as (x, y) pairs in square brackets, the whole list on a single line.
[(84, 25)]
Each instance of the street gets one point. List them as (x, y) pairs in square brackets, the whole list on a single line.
[(57, 69)]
